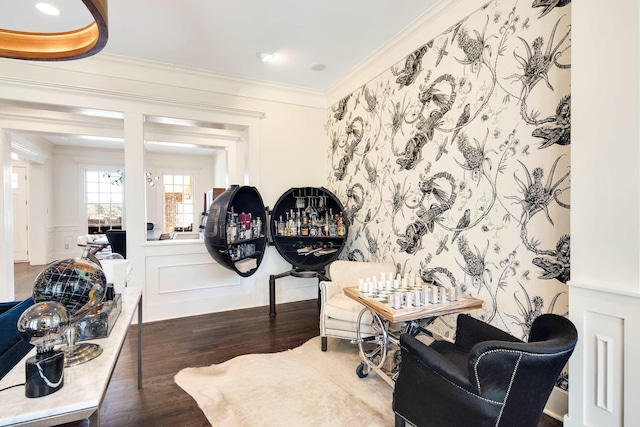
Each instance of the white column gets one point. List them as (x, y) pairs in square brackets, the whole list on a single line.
[(135, 205), (7, 291)]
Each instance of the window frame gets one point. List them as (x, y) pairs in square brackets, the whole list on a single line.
[(101, 171), (189, 216)]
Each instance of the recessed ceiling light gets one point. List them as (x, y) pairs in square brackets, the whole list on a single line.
[(266, 57), (48, 9), (317, 67)]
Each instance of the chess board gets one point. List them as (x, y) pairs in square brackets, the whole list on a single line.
[(378, 302)]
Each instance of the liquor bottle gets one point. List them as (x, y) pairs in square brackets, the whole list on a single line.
[(298, 224), (342, 228), (313, 224), (234, 229), (287, 225), (292, 224), (280, 227), (304, 228), (258, 232), (325, 225), (333, 225), (240, 229), (229, 225)]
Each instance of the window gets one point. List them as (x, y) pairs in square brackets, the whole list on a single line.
[(178, 202), (104, 201)]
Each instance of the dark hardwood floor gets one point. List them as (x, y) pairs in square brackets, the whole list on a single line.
[(169, 346), (23, 275)]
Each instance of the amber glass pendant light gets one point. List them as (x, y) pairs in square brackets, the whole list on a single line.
[(62, 46)]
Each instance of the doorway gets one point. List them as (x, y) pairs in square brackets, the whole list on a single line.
[(20, 212)]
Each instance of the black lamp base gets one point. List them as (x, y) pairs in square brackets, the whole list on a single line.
[(44, 373)]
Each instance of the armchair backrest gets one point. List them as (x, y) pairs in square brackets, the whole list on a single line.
[(348, 273), (118, 241), (523, 374)]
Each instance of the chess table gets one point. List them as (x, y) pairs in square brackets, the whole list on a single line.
[(389, 323)]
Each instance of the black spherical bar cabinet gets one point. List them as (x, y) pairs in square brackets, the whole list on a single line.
[(238, 253), (306, 226), (322, 243)]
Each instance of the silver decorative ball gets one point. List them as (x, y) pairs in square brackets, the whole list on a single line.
[(43, 324)]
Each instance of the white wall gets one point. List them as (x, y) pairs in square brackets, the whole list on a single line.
[(604, 291), (41, 231), (69, 166)]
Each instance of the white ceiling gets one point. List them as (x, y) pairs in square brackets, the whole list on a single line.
[(225, 36)]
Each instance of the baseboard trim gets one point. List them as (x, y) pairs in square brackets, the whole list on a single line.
[(558, 404)]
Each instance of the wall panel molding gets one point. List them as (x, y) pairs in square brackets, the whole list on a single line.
[(604, 373)]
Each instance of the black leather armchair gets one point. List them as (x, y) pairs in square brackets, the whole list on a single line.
[(486, 378)]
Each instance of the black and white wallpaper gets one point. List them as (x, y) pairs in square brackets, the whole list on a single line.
[(455, 162)]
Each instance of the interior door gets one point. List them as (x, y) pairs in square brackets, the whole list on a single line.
[(20, 229)]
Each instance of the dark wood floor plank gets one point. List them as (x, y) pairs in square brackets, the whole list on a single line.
[(23, 275)]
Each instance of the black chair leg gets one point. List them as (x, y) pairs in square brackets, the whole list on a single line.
[(399, 421), (324, 343)]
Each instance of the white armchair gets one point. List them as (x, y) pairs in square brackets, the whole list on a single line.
[(338, 312)]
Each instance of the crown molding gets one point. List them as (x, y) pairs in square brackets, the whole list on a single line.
[(426, 27), (228, 84), (138, 80), (34, 119), (26, 149), (16, 87), (180, 77), (28, 154)]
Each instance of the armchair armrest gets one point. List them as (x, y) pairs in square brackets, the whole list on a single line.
[(329, 289), (434, 361), (471, 331)]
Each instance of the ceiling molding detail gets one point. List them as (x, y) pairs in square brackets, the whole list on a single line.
[(202, 80), (27, 153), (150, 97), (136, 75), (34, 120)]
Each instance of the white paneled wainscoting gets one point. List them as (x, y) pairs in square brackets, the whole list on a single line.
[(603, 372), (187, 281), (181, 279)]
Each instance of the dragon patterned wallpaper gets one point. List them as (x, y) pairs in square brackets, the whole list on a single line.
[(455, 163)]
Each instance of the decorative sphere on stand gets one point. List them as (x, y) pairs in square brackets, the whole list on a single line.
[(43, 324), (80, 285)]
